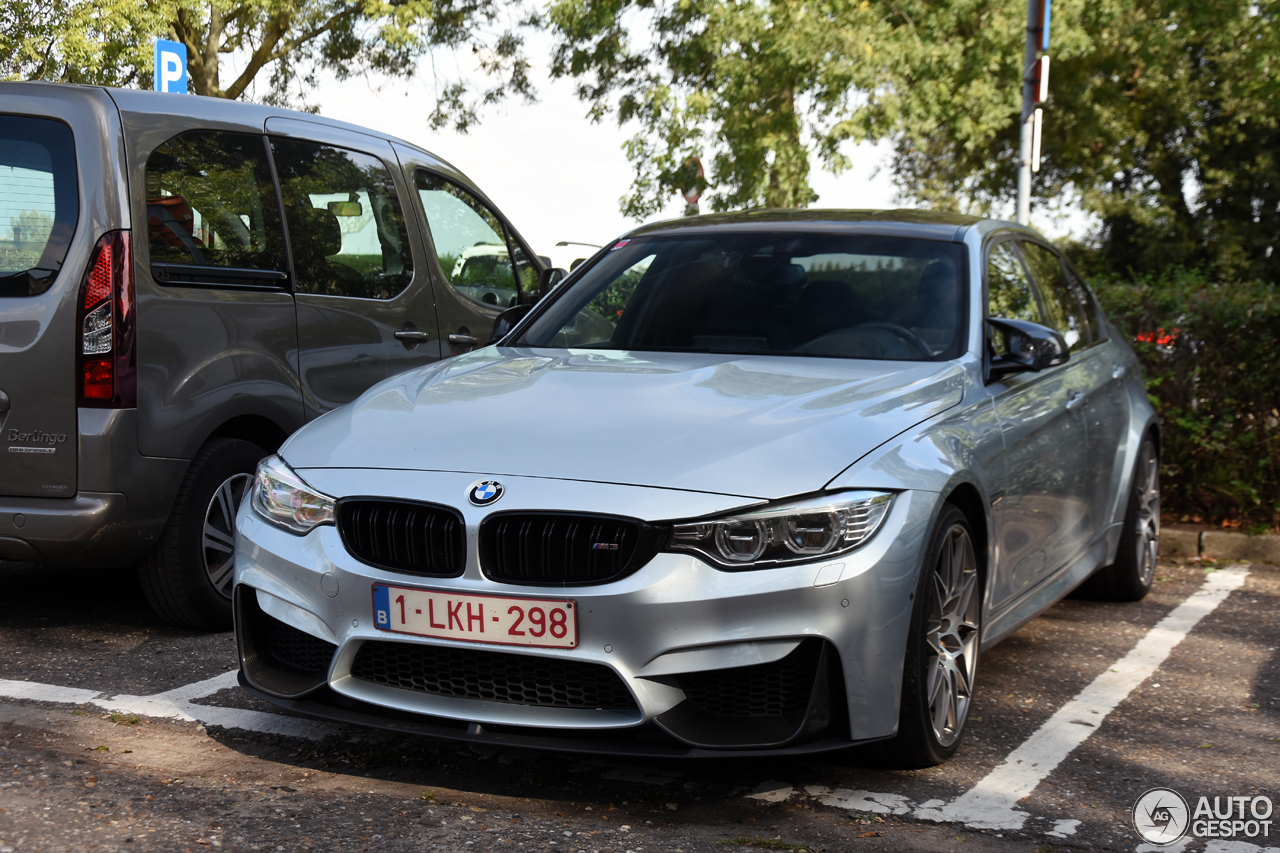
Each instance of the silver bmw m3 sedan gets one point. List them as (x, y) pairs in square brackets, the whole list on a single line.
[(760, 482)]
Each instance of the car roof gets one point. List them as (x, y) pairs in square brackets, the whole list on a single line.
[(901, 222), (253, 116)]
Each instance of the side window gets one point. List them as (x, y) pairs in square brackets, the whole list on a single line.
[(346, 228), (471, 244), (1061, 303), (1092, 310), (1008, 291), (210, 202)]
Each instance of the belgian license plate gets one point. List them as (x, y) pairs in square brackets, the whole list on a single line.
[(547, 623)]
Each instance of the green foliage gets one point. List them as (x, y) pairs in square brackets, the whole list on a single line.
[(1161, 121), (109, 42), (750, 88), (1210, 350)]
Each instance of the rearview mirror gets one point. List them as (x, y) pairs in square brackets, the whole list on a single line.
[(1028, 347), (506, 321), (346, 208)]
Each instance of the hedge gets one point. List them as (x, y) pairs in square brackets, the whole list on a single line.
[(1211, 351)]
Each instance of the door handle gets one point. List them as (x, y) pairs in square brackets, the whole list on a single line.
[(462, 340), (1117, 371), (1074, 400), (412, 335)]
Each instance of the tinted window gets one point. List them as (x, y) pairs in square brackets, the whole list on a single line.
[(210, 202), (1008, 290), (471, 244), (785, 294), (1061, 303), (1092, 310), (39, 202), (346, 227)]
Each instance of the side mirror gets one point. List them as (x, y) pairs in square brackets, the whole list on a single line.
[(1029, 347), (506, 321), (550, 279)]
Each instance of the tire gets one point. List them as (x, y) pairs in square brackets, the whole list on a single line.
[(1129, 577), (941, 665), (187, 577)]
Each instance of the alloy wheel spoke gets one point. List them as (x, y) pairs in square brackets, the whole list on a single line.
[(222, 576), (218, 540)]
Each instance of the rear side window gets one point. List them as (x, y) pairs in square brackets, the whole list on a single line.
[(346, 229), (211, 202), (39, 202)]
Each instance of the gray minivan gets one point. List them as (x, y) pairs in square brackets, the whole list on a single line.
[(184, 282)]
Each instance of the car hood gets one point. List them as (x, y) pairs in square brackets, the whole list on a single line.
[(762, 427)]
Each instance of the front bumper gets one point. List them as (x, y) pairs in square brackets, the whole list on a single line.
[(696, 649)]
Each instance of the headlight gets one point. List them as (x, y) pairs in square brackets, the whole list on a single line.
[(787, 533), (282, 498)]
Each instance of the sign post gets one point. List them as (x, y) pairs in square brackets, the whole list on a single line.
[(1035, 89), (171, 66)]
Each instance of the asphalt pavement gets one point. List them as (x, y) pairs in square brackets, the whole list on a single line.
[(118, 732)]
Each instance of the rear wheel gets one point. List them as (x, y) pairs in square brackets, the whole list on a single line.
[(1129, 577), (188, 575), (942, 649)]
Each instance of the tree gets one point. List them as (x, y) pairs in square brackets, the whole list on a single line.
[(753, 87), (109, 43), (1162, 122), (1162, 119)]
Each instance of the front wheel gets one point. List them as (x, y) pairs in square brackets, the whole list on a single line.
[(187, 577), (941, 664)]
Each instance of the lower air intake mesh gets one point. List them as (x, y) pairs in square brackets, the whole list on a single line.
[(492, 676)]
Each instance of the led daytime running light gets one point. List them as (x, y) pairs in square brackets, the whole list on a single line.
[(787, 533)]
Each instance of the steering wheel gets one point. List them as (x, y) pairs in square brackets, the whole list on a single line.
[(919, 348)]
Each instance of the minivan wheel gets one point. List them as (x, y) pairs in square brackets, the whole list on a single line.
[(188, 575), (1129, 577), (941, 663)]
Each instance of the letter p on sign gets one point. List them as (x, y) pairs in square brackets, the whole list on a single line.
[(171, 67)]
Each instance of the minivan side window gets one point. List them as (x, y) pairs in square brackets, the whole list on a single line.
[(1061, 302), (471, 243), (346, 228), (211, 202), (39, 202)]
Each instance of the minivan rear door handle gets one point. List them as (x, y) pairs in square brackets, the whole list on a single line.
[(412, 335)]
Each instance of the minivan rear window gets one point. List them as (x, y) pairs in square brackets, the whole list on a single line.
[(39, 202)]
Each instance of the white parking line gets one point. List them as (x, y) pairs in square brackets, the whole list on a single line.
[(174, 704), (992, 803)]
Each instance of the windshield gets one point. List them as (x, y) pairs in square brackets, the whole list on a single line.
[(833, 295)]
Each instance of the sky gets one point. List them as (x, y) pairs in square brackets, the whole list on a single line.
[(556, 175)]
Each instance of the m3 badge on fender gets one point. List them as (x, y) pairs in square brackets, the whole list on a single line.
[(485, 492)]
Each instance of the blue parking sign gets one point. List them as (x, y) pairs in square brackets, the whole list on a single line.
[(171, 67)]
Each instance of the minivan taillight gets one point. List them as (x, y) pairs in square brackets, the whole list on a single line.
[(107, 345)]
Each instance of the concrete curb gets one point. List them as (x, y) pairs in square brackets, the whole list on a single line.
[(1219, 545)]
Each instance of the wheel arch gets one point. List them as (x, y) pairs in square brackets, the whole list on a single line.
[(257, 429)]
